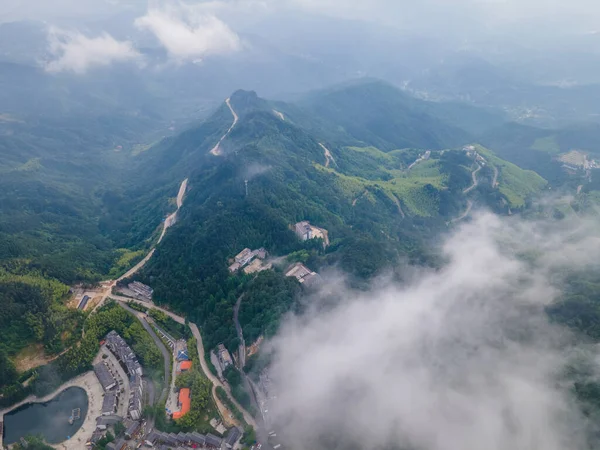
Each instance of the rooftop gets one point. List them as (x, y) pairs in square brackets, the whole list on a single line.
[(184, 402), (185, 365), (106, 379)]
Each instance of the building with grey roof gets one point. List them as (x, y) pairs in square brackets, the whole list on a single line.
[(197, 438), (105, 377), (135, 406), (133, 427), (83, 303), (232, 437), (136, 384), (212, 441), (103, 422), (124, 354), (119, 444), (141, 289), (96, 436), (109, 404)]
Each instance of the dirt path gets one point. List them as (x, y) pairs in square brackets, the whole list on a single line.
[(495, 180), (359, 197), (423, 157), (215, 381), (465, 214), (34, 356), (217, 148), (328, 156), (278, 114), (398, 205), (475, 181)]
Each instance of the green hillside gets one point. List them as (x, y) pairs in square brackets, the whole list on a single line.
[(378, 187), (537, 149), (516, 184), (379, 114), (378, 206)]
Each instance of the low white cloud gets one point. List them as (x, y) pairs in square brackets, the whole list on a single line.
[(189, 32), (75, 52), (459, 358)]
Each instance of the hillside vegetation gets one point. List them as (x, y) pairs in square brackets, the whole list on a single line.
[(379, 205), (381, 171)]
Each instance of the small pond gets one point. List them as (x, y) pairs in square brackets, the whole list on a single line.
[(50, 419)]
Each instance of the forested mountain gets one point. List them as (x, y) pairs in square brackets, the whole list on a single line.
[(476, 81), (384, 173), (379, 205), (383, 116)]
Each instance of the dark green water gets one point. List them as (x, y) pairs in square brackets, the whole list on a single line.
[(51, 419)]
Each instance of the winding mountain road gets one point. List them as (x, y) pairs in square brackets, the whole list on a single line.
[(475, 180), (328, 156), (261, 431), (217, 148), (169, 221), (465, 214)]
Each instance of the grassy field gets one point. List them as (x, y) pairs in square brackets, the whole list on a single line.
[(515, 183), (382, 171), (127, 259), (547, 144)]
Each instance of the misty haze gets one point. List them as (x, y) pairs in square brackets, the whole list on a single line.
[(300, 224)]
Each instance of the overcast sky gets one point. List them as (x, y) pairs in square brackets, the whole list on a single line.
[(193, 30), (412, 14)]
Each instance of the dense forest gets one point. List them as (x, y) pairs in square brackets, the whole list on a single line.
[(78, 358), (385, 191), (377, 206)]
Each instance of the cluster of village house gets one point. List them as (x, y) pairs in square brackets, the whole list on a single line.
[(114, 388), (250, 261), (253, 261), (112, 384), (164, 441)]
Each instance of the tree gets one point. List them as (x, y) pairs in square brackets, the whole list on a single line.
[(8, 373), (119, 429)]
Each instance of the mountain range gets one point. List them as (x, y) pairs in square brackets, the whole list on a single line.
[(385, 173)]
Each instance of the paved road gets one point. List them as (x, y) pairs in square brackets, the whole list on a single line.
[(217, 148), (262, 433), (200, 345), (166, 354), (242, 347), (169, 221), (328, 156)]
